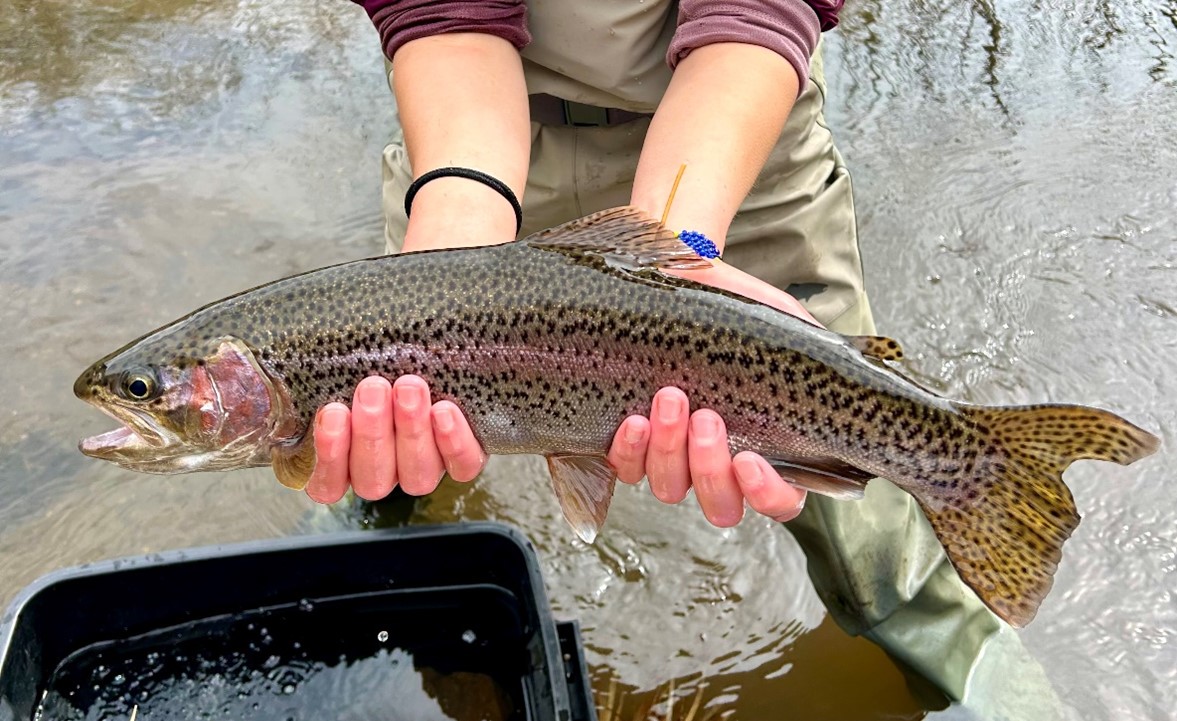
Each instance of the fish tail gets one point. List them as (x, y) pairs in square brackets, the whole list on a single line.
[(1004, 521)]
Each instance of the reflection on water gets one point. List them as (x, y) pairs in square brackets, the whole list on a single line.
[(1014, 171)]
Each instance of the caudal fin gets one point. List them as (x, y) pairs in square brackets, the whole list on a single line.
[(1004, 527)]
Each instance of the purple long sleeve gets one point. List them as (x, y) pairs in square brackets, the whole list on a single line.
[(827, 12), (399, 21), (788, 27)]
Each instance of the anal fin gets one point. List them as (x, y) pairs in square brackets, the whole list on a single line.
[(293, 465), (829, 478), (584, 487)]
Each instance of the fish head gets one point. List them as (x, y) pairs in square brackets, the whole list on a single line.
[(184, 407)]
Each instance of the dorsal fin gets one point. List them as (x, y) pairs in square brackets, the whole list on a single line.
[(624, 236), (877, 346)]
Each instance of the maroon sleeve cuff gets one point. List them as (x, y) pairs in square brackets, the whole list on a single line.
[(789, 28), (827, 12), (398, 22)]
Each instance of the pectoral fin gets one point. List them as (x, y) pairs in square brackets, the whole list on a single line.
[(584, 487), (293, 464), (829, 478)]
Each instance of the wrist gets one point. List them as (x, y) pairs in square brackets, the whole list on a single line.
[(458, 212), (685, 215), (683, 205)]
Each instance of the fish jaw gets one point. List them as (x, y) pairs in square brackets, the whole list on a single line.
[(106, 445), (137, 435), (144, 445)]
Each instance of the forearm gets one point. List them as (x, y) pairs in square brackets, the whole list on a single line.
[(721, 116), (462, 102)]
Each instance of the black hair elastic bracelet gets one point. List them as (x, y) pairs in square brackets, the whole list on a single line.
[(470, 174)]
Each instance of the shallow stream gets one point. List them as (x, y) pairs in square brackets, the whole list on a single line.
[(1015, 166)]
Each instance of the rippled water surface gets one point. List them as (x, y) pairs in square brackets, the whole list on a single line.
[(1015, 166)]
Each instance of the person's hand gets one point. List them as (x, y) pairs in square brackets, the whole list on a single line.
[(678, 450), (391, 436)]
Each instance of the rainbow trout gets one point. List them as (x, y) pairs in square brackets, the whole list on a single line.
[(548, 343)]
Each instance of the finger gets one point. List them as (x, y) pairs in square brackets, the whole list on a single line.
[(627, 455), (328, 482), (766, 491), (711, 470), (418, 462), (666, 456), (373, 447), (460, 451)]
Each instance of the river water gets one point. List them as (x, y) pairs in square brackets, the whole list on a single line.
[(1015, 166)]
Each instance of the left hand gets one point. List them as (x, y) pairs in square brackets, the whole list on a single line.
[(678, 450)]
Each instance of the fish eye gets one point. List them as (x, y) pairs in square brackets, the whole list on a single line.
[(138, 386)]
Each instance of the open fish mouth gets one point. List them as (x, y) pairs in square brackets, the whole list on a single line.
[(106, 444), (138, 434)]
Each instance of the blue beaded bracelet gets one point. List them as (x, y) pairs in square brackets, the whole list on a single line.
[(699, 243)]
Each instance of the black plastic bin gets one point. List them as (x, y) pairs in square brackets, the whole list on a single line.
[(462, 606)]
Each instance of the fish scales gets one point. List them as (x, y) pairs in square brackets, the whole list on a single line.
[(547, 344), (565, 350)]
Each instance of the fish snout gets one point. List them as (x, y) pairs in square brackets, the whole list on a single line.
[(87, 384)]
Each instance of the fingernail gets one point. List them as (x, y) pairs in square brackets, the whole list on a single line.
[(634, 433), (704, 427), (748, 473), (729, 519), (669, 408), (408, 397), (443, 418), (333, 420), (373, 396)]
